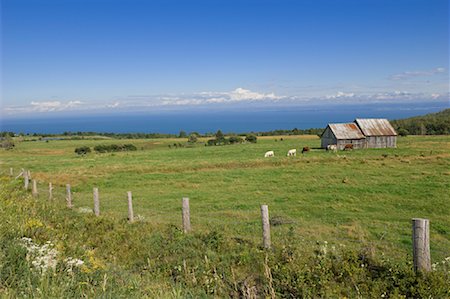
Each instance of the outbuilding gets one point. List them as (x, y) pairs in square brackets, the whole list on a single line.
[(378, 131), (362, 133), (342, 134)]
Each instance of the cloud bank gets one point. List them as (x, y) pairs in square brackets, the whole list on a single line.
[(239, 97)]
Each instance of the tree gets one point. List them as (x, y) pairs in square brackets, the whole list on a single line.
[(220, 138), (182, 134), (403, 132)]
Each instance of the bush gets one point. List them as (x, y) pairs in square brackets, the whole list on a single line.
[(211, 142), (235, 139), (251, 138), (82, 150), (192, 138), (114, 148), (7, 143)]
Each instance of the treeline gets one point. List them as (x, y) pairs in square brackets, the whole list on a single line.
[(220, 139), (114, 135), (429, 124), (181, 134), (295, 131)]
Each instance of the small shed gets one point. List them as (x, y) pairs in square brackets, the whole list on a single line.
[(379, 132), (342, 134)]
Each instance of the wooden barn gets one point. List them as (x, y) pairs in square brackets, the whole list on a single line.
[(342, 134), (362, 133), (378, 131)]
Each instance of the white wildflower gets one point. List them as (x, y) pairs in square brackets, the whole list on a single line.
[(72, 263), (139, 218), (42, 257), (84, 210)]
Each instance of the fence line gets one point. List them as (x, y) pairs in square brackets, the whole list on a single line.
[(69, 196), (420, 227), (130, 207), (96, 202), (186, 215)]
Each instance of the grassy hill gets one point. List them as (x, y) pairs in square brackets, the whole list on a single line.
[(429, 124), (341, 223)]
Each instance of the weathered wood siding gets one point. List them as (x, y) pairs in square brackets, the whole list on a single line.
[(357, 143), (328, 138), (381, 141)]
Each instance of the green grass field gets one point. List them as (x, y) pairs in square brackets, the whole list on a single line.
[(353, 198)]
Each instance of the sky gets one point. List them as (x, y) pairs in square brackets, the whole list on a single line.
[(134, 55)]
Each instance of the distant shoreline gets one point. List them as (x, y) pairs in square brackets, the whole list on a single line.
[(204, 122)]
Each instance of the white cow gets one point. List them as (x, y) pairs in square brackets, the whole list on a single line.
[(269, 154), (292, 152), (332, 147)]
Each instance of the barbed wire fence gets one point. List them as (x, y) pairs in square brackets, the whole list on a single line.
[(97, 203)]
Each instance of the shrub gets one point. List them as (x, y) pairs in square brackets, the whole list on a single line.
[(129, 147), (192, 138), (82, 150), (114, 148), (251, 138), (7, 143), (235, 139)]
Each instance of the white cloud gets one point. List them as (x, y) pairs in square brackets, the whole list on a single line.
[(49, 106), (435, 95), (114, 105), (241, 94), (211, 97), (422, 73), (237, 96), (340, 94)]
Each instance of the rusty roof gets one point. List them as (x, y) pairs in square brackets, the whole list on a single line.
[(375, 127), (346, 131)]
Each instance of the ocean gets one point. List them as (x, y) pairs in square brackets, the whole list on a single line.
[(203, 121)]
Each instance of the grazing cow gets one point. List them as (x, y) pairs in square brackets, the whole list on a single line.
[(305, 149), (348, 147), (332, 147), (269, 154), (292, 152)]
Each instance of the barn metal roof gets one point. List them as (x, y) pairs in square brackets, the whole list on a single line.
[(346, 131), (375, 127)]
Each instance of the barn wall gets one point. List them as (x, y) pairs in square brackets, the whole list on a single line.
[(328, 138), (357, 143), (381, 141)]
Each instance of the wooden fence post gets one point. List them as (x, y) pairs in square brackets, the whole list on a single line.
[(50, 191), (421, 244), (26, 180), (34, 190), (265, 226), (130, 207), (11, 171), (96, 203), (68, 196), (186, 215)]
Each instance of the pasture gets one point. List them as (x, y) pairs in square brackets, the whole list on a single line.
[(350, 198), (340, 222)]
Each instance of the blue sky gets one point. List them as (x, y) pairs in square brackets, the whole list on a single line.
[(105, 55)]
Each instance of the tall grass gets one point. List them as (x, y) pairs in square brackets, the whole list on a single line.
[(138, 260)]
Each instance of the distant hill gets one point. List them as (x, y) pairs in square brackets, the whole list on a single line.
[(429, 124)]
